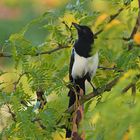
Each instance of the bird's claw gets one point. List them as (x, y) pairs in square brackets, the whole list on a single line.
[(95, 91)]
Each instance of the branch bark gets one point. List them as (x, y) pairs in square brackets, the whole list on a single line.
[(18, 80), (12, 113), (113, 68), (59, 47), (91, 95), (38, 120), (135, 29), (111, 18), (133, 89)]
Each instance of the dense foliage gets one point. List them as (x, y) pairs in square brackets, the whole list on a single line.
[(114, 114)]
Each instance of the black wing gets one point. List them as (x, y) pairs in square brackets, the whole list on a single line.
[(71, 65)]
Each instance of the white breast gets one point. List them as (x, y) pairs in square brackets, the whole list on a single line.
[(79, 66), (83, 65)]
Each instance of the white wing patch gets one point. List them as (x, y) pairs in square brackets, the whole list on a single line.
[(93, 64), (83, 65)]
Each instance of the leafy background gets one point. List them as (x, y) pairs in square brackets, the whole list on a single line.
[(36, 41)]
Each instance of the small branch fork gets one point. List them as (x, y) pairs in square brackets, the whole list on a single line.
[(131, 86), (128, 87)]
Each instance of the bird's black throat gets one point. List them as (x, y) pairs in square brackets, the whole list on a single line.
[(83, 48)]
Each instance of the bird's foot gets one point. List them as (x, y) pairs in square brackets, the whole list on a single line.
[(95, 91)]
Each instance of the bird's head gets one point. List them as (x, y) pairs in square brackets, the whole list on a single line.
[(84, 32)]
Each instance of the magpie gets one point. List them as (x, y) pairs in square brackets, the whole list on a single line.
[(83, 64)]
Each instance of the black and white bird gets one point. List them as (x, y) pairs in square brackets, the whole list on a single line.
[(83, 64)]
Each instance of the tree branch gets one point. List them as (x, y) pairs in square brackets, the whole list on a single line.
[(133, 89), (135, 29), (59, 47), (18, 80), (105, 68), (127, 88), (70, 30), (111, 18), (100, 90), (38, 120), (12, 113), (91, 95), (113, 68), (2, 54)]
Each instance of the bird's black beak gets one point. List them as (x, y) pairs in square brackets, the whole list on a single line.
[(78, 27)]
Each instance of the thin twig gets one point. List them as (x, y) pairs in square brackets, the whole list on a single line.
[(133, 89), (59, 47), (12, 113), (41, 125), (105, 68), (131, 86), (100, 90), (69, 28), (2, 54), (135, 29), (23, 102), (111, 18), (18, 80), (127, 88), (113, 68), (38, 120)]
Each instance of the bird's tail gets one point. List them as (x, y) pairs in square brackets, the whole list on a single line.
[(79, 84), (72, 99)]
